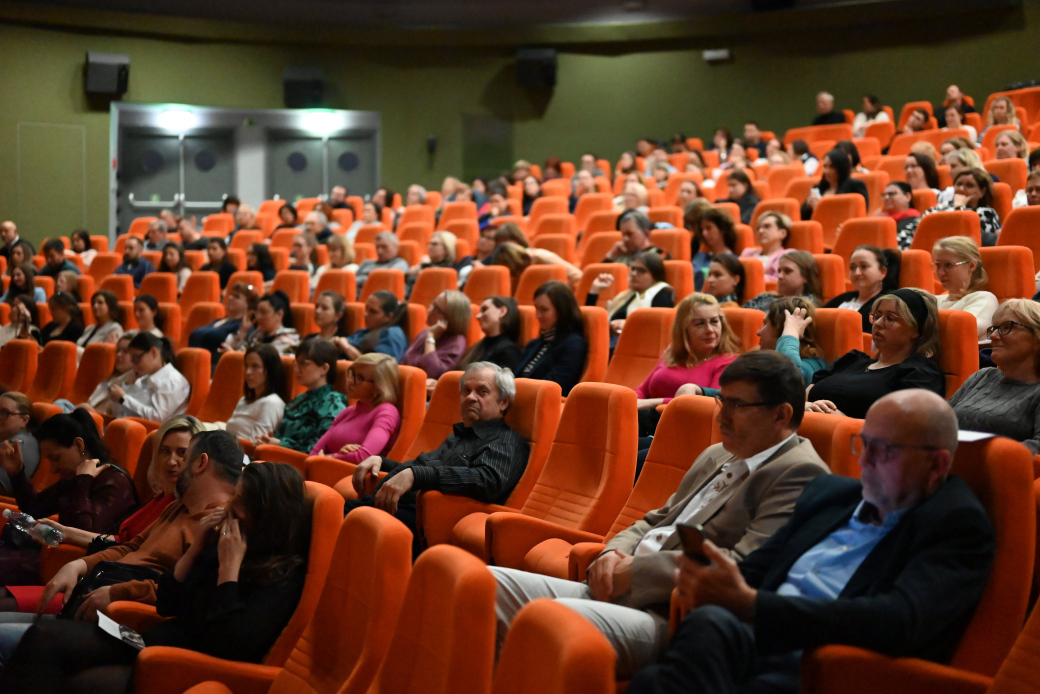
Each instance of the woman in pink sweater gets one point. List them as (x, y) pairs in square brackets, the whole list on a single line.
[(703, 345), (369, 426)]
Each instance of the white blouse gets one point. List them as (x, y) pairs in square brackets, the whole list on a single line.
[(980, 304), (158, 396), (251, 420)]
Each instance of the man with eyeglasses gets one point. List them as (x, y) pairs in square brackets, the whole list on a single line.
[(895, 564), (741, 491)]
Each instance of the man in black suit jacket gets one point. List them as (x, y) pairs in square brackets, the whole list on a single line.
[(9, 235), (895, 564)]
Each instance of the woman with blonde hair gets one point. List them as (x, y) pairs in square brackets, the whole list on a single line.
[(960, 159), (341, 257), (772, 232), (440, 252), (437, 348), (1011, 145), (1006, 400), (797, 275), (368, 427), (905, 328), (958, 266), (1001, 112)]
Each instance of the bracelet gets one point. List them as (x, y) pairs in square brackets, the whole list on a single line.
[(431, 340)]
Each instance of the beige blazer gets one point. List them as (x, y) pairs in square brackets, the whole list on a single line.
[(738, 520)]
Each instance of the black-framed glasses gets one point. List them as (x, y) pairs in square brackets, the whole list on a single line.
[(1006, 327), (879, 449), (4, 414), (738, 404)]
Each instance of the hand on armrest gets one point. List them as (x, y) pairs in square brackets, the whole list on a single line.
[(512, 535), (581, 558), (164, 670)]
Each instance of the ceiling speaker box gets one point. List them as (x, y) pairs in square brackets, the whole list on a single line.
[(106, 73), (304, 87), (536, 68)]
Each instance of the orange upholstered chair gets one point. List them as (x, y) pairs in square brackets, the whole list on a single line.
[(120, 285), (490, 280), (585, 481), (230, 377), (832, 274), (56, 372), (915, 270), (754, 278), (866, 231), (161, 285), (589, 204), (431, 282), (295, 283), (194, 363), (163, 669), (416, 213), (535, 276), (456, 210), (1019, 229), (834, 210), (924, 200), (1010, 270), (103, 265), (597, 335), (675, 242), (201, 314), (831, 437), (18, 360), (647, 333), (959, 356), (875, 181), (201, 286), (745, 322), (347, 639), (544, 546), (342, 282), (603, 220), (939, 225), (838, 331), (250, 277), (779, 176), (383, 280), (787, 206), (589, 273), (557, 223), (999, 471), (595, 245), (543, 206), (666, 214), (413, 407), (125, 439), (172, 327), (551, 649), (560, 244), (679, 274), (1011, 171)]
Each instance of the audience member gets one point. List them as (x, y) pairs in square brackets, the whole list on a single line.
[(1021, 197), (485, 248), (338, 198), (24, 322), (954, 120), (871, 113), (387, 258), (304, 253), (1011, 145), (191, 239), (173, 262), (240, 302), (725, 280), (906, 336), (825, 113), (740, 491), (753, 140), (830, 576), (437, 347), (287, 217), (156, 237), (959, 160), (532, 191), (54, 252), (916, 122), (216, 252), (370, 426), (258, 259), (837, 180), (245, 219), (23, 283), (68, 282), (1001, 112), (341, 257), (16, 428), (646, 288), (133, 263), (311, 413), (499, 320), (148, 315), (974, 192), (714, 234), (626, 163), (772, 233), (66, 319), (440, 252), (259, 411), (789, 328), (81, 246), (635, 239), (482, 458), (742, 194), (416, 195), (159, 390), (1033, 189), (230, 205), (871, 272), (558, 353), (330, 316), (381, 333), (688, 192), (270, 324), (954, 97), (721, 140), (921, 172), (896, 203), (958, 267), (800, 152), (797, 275), (122, 375)]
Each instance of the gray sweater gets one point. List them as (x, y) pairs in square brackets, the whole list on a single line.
[(989, 402)]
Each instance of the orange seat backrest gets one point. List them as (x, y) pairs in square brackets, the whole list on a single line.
[(560, 244), (754, 278), (161, 285), (832, 211), (464, 230), (56, 372), (295, 283), (938, 225), (875, 181), (18, 361), (456, 210), (787, 206), (591, 466), (490, 280), (589, 204), (543, 206), (383, 279), (201, 286), (806, 236), (120, 285), (194, 363), (172, 321), (779, 176), (413, 407), (745, 322), (1019, 229), (831, 437), (666, 214), (619, 271), (230, 376), (595, 245), (866, 231), (959, 356), (798, 188), (201, 314), (250, 277), (838, 331), (535, 276), (915, 270), (679, 274), (1010, 270), (554, 223), (676, 242), (95, 366), (416, 213), (903, 142), (597, 335), (347, 639), (602, 220), (103, 265), (647, 333), (1011, 171), (125, 439), (431, 282), (832, 274)]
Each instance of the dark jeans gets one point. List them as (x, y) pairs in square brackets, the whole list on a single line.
[(713, 651), (405, 513)]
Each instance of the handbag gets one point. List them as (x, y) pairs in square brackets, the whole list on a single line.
[(106, 573)]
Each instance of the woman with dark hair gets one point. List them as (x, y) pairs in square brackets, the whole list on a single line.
[(149, 317), (122, 375), (837, 180), (240, 301), (725, 281), (24, 322), (287, 217), (311, 413), (261, 407), (797, 276), (160, 390), (532, 191), (82, 246), (107, 316), (330, 316), (66, 319), (92, 494), (897, 204), (173, 262), (23, 281), (871, 113), (772, 233), (973, 191), (381, 332), (872, 271), (905, 327), (849, 147), (646, 288), (721, 141), (438, 347), (216, 252), (742, 193), (714, 233), (258, 258), (499, 318), (17, 425), (789, 329), (229, 596), (270, 324), (921, 172), (558, 353)]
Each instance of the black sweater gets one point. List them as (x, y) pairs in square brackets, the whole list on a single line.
[(853, 388)]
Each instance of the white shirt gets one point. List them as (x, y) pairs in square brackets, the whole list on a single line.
[(854, 304), (731, 473), (251, 420), (158, 396), (982, 305)]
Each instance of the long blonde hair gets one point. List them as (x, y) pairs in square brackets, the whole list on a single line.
[(176, 423), (1012, 118), (680, 353), (387, 378)]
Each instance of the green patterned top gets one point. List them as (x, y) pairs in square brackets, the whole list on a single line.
[(308, 417)]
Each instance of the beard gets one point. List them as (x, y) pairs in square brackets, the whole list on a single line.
[(184, 481), (127, 258)]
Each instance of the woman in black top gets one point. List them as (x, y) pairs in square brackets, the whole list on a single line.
[(532, 191), (499, 318), (230, 595), (646, 289), (67, 319), (907, 357), (837, 180), (871, 271), (742, 193), (259, 258), (558, 353), (218, 261)]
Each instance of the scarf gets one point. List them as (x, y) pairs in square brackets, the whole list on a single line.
[(547, 338)]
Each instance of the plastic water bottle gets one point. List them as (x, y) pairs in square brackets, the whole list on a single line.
[(41, 532)]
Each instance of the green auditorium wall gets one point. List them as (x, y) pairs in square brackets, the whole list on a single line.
[(607, 94)]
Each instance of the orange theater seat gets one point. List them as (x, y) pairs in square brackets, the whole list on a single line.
[(295, 283), (431, 282), (1011, 171), (754, 277), (798, 189), (201, 286), (786, 206), (103, 265), (806, 236), (18, 361), (545, 547), (779, 176), (1010, 270), (834, 210), (416, 213), (745, 323), (838, 331), (866, 231), (1020, 229), (875, 182), (535, 276), (619, 271), (584, 483), (832, 274), (342, 282), (230, 378), (201, 314), (543, 206), (924, 200), (647, 333), (56, 372), (597, 334), (959, 356), (560, 244), (456, 210), (676, 242), (120, 285), (915, 270), (467, 230), (125, 438), (595, 247), (194, 363), (668, 214), (589, 204), (95, 366), (679, 274), (555, 223), (938, 225), (161, 285)]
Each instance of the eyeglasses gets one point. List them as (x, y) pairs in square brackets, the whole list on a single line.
[(636, 270), (891, 194), (1005, 328), (946, 267), (879, 318), (738, 404), (4, 414), (356, 377), (880, 450)]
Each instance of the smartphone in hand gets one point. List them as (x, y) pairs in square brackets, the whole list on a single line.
[(692, 539)]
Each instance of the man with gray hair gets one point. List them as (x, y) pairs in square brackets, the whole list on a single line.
[(482, 458), (318, 224), (826, 115), (156, 239), (635, 239), (416, 195), (387, 247)]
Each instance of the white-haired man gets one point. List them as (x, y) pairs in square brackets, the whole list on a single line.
[(826, 115)]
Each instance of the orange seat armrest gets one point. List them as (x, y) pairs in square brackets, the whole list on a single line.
[(852, 670), (581, 558), (53, 558), (135, 615), (437, 514), (165, 670), (510, 536)]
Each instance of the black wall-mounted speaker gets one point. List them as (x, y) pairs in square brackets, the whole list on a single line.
[(536, 68), (770, 5), (106, 73), (304, 87)]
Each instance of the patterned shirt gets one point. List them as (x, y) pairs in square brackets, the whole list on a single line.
[(308, 417)]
